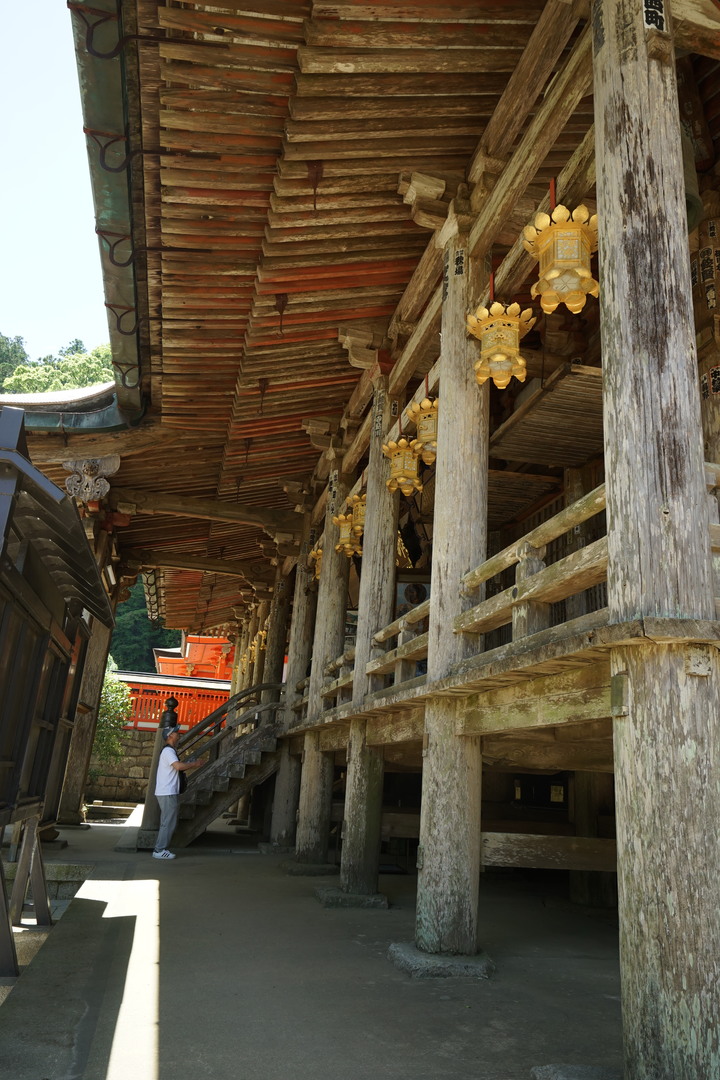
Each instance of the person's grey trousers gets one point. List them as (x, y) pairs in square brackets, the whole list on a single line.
[(168, 820)]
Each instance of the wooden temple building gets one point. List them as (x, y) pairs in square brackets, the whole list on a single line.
[(486, 547)]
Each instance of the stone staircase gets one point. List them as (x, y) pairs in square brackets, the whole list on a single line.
[(241, 762)]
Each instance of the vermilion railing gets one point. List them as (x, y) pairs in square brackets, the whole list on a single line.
[(148, 705)]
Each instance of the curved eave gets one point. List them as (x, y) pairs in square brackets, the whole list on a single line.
[(92, 409), (101, 79)]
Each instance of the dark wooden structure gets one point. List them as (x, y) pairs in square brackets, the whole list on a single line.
[(50, 590), (298, 204)]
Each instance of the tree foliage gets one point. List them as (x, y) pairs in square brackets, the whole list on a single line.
[(12, 355), (113, 713), (72, 369), (135, 636)]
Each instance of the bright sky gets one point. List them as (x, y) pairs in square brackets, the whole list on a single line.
[(50, 280)]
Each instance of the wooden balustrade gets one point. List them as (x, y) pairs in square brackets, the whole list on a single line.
[(399, 665), (339, 690), (526, 604)]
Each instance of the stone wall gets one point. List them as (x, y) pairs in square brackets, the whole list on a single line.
[(127, 780)]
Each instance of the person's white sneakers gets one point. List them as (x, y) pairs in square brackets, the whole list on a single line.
[(163, 854)]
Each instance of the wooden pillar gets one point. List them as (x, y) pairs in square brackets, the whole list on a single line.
[(315, 802), (287, 782), (243, 645), (302, 624), (276, 636), (365, 766), (449, 851), (667, 691), (376, 603), (363, 813), (260, 639), (318, 766), (252, 629), (73, 793), (286, 799), (329, 638)]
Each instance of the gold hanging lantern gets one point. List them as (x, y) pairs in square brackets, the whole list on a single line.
[(500, 330), (563, 243), (425, 417), (346, 543), (403, 467), (358, 504), (316, 555)]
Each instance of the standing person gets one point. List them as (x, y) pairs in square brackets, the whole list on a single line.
[(167, 789)]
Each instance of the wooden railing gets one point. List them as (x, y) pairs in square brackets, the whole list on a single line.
[(339, 689), (399, 664), (398, 648), (526, 604), (300, 706)]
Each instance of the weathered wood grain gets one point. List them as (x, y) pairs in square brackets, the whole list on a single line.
[(548, 852), (667, 755)]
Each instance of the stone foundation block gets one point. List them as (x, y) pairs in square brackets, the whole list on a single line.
[(332, 896), (421, 965), (298, 869), (575, 1072)]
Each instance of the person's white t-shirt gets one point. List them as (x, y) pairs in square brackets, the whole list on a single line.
[(168, 779)]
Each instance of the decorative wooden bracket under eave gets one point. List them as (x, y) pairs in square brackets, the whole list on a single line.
[(322, 431), (427, 197), (364, 345)]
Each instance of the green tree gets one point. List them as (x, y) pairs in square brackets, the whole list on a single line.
[(135, 636), (12, 355), (113, 713), (68, 371)]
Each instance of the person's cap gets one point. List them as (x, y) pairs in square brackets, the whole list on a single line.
[(168, 731)]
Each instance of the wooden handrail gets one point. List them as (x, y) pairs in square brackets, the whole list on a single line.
[(415, 615), (576, 572), (347, 657), (218, 715), (570, 516)]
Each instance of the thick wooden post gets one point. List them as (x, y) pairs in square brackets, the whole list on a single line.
[(315, 806), (365, 767), (260, 639), (329, 635), (449, 851), (276, 636), (376, 601), (302, 624), (315, 803), (667, 693), (287, 782), (252, 630), (71, 801)]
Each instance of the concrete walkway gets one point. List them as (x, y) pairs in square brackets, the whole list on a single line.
[(220, 965)]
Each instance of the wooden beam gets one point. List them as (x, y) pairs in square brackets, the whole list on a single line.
[(399, 727), (548, 852), (570, 697), (586, 755), (252, 569), (547, 41), (149, 502), (569, 86)]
